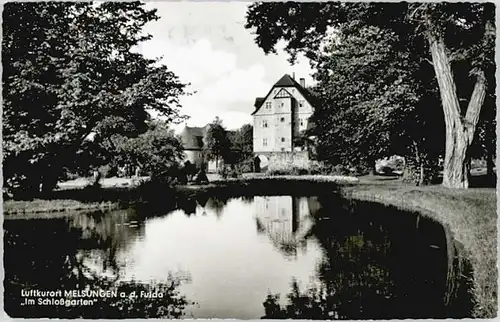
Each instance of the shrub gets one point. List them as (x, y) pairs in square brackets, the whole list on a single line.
[(223, 171), (340, 169), (322, 169), (229, 171), (246, 166), (235, 172), (277, 172), (359, 170), (293, 171), (317, 168), (302, 171)]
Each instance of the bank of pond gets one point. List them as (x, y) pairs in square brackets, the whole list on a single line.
[(92, 198), (304, 253)]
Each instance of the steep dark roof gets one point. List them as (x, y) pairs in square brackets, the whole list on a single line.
[(192, 137), (259, 101), (287, 81)]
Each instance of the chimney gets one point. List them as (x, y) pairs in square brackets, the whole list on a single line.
[(303, 82)]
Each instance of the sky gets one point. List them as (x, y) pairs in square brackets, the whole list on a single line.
[(206, 45)]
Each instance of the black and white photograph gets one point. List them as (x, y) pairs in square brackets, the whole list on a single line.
[(249, 160)]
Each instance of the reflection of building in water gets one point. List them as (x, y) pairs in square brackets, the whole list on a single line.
[(286, 220)]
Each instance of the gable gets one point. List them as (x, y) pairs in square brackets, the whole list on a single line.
[(283, 93), (286, 82)]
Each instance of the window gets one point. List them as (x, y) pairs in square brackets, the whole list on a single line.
[(264, 142), (301, 103), (282, 139), (282, 104), (282, 119), (282, 149), (268, 105), (301, 122), (264, 123)]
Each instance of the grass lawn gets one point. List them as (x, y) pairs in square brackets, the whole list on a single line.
[(41, 207)]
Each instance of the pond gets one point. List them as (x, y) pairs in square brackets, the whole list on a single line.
[(316, 257)]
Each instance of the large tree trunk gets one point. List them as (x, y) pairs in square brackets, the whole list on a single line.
[(459, 130)]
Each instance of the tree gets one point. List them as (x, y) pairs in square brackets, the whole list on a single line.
[(450, 32), (369, 93), (460, 127), (216, 142), (157, 151), (241, 143), (70, 74)]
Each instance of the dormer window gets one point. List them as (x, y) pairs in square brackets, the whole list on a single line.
[(301, 103), (268, 105)]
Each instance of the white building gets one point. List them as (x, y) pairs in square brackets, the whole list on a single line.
[(192, 141), (281, 116)]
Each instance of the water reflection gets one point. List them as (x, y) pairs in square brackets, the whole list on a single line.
[(286, 220), (377, 264), (55, 254), (273, 257), (102, 235), (216, 204), (202, 200)]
